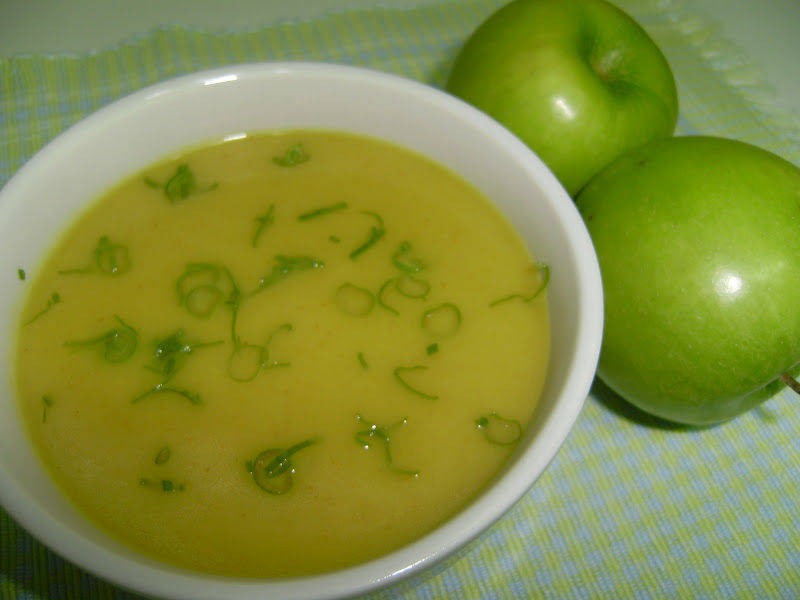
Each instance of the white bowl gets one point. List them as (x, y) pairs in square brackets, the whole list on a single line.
[(46, 193)]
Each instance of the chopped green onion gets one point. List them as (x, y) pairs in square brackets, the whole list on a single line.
[(381, 301), (377, 433), (272, 469), (54, 299), (412, 287), (442, 320), (21, 274), (285, 266), (109, 259), (180, 185), (47, 402), (432, 349), (262, 222), (203, 286), (112, 259), (498, 430), (246, 361), (119, 343), (163, 455), (399, 373), (354, 300), (362, 361), (408, 265), (544, 274), (192, 397), (373, 237), (294, 156), (321, 212)]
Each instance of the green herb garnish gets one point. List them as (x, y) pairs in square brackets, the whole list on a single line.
[(21, 274), (273, 470), (412, 287), (162, 388), (381, 301), (432, 349), (544, 274), (171, 353), (54, 299), (362, 361), (354, 300), (169, 357), (377, 433), (47, 402), (405, 263), (399, 374), (180, 185), (109, 259), (203, 286), (119, 343), (321, 212), (165, 485), (163, 455), (499, 430), (295, 155), (247, 360), (262, 222), (285, 266), (376, 232), (442, 320)]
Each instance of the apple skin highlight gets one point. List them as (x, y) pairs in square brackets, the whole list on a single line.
[(579, 81), (699, 251)]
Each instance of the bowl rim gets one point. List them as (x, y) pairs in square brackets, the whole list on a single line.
[(153, 578)]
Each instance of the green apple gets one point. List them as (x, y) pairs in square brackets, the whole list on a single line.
[(579, 81), (698, 240)]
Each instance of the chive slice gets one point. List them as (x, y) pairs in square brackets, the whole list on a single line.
[(362, 361), (373, 237), (381, 301), (408, 265), (119, 343), (112, 259), (322, 211), (412, 287), (109, 259), (262, 222), (544, 274), (442, 320), (285, 266), (161, 388), (272, 469), (21, 274), (203, 286), (399, 373), (163, 455), (378, 433), (354, 300), (246, 361), (54, 299), (47, 402), (432, 349), (294, 155), (180, 185), (499, 430)]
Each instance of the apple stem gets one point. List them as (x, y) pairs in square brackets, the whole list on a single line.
[(791, 382)]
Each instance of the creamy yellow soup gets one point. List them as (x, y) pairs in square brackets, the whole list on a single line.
[(282, 354)]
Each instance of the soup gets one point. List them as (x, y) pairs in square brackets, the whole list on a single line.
[(282, 354)]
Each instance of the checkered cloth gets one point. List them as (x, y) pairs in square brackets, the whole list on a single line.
[(629, 508)]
